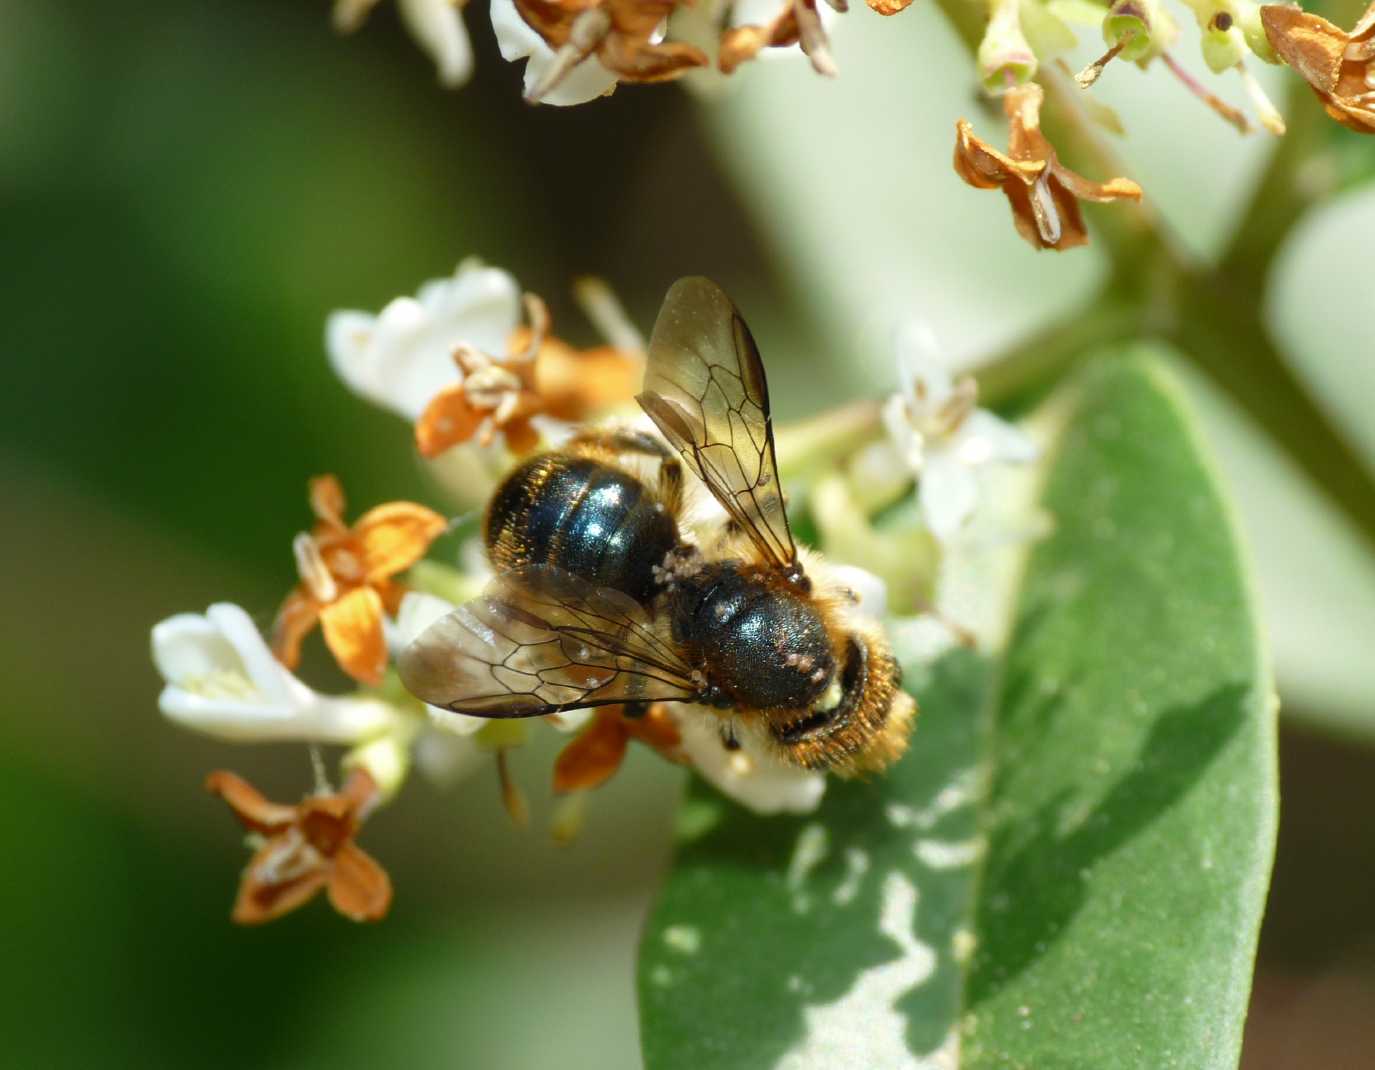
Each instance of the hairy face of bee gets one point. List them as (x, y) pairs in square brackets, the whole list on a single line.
[(862, 721)]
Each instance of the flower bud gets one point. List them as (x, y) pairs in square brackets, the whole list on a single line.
[(1248, 19), (387, 759), (1046, 30), (1005, 57), (1143, 28), (1222, 42)]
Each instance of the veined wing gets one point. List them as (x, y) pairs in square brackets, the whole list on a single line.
[(539, 640), (706, 391)]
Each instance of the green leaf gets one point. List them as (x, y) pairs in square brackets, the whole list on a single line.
[(1068, 868)]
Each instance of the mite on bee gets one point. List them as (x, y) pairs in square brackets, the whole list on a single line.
[(600, 598)]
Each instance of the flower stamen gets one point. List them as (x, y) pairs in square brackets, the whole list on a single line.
[(587, 31), (1193, 85), (1094, 70), (512, 797), (311, 567)]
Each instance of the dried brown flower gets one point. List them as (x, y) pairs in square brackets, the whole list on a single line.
[(1339, 66), (1044, 194), (797, 22), (305, 848), (623, 34)]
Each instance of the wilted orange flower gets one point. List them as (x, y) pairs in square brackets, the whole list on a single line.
[(624, 35), (305, 848), (595, 755), (540, 374), (1043, 192), (346, 578), (1339, 66), (797, 21)]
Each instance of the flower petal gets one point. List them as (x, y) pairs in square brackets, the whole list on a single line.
[(657, 729), (575, 383), (752, 776), (272, 682), (984, 438), (326, 496), (591, 759), (587, 81), (359, 888), (295, 619), (522, 436), (923, 371), (437, 27), (1307, 42), (253, 809), (447, 420), (870, 590), (259, 901), (395, 536), (402, 357), (188, 647), (353, 632), (447, 758), (947, 492)]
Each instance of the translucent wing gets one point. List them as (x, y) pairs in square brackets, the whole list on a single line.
[(539, 640), (705, 390)]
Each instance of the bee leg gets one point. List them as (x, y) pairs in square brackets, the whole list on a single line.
[(634, 710), (729, 739)]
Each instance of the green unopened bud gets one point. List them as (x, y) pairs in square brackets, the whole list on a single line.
[(1142, 28), (387, 760), (1005, 56), (1248, 18), (1222, 43), (1045, 30)]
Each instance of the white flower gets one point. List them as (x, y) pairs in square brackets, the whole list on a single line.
[(436, 25), (587, 81), (751, 775), (942, 436), (403, 356), (870, 592), (222, 680)]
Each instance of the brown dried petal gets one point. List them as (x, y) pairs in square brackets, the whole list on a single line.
[(1338, 66), (259, 901), (594, 756), (635, 61), (889, 7), (359, 888), (1308, 43), (742, 43), (253, 809), (1043, 194)]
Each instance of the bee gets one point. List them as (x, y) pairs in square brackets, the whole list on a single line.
[(600, 599)]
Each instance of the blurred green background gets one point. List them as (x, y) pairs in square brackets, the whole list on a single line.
[(188, 189)]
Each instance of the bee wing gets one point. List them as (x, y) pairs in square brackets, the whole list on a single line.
[(705, 389), (539, 640)]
